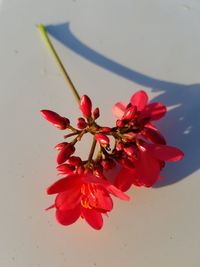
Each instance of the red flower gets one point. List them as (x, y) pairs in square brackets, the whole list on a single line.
[(83, 195), (143, 166), (141, 114), (141, 161)]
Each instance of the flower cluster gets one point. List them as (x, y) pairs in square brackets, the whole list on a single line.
[(139, 153)]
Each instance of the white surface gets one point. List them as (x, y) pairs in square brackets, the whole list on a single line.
[(157, 44)]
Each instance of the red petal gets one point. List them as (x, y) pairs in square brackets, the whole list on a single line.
[(153, 136), (155, 110), (118, 109), (140, 100), (102, 199), (62, 184), (124, 179), (93, 218), (147, 168), (117, 192), (68, 217), (68, 199), (151, 126), (108, 186), (165, 153)]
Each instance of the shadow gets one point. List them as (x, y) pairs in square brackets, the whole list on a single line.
[(181, 126)]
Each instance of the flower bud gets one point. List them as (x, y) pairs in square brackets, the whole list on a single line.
[(60, 145), (129, 105), (96, 113), (51, 116), (102, 139), (65, 153), (86, 106), (65, 168), (120, 146), (75, 161), (130, 151), (81, 123), (67, 121), (130, 113), (105, 129), (119, 123), (129, 136)]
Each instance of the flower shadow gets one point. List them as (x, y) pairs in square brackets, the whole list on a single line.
[(181, 126)]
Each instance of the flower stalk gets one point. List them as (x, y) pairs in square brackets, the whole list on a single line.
[(59, 62), (92, 150)]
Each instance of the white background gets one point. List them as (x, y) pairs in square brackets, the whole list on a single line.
[(136, 44)]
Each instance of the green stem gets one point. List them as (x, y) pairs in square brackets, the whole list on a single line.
[(69, 135), (58, 60), (92, 150)]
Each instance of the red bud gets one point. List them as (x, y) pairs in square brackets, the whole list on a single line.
[(65, 153), (130, 151), (60, 145), (130, 113), (120, 146), (129, 105), (102, 139), (86, 106), (65, 168), (96, 113), (67, 121), (51, 116), (119, 123), (129, 136), (81, 124), (75, 161), (105, 130)]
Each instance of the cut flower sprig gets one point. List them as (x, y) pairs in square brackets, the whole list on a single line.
[(136, 158)]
